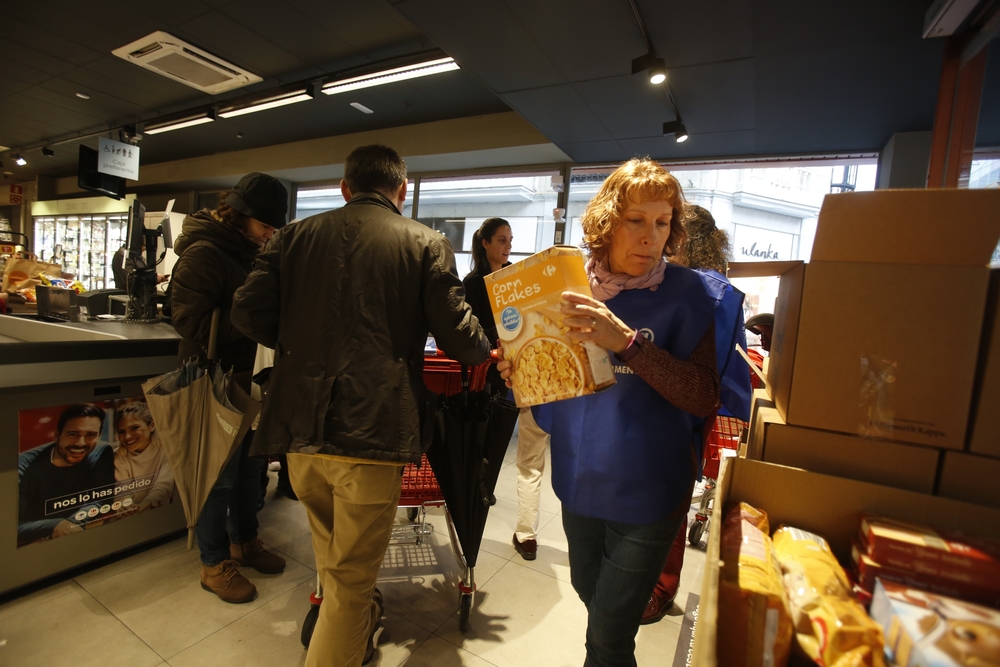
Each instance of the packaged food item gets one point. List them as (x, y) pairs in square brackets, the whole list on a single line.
[(832, 628), (525, 297), (754, 617), (945, 555), (929, 630), (867, 570)]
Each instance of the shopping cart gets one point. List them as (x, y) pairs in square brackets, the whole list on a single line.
[(723, 441), (421, 491)]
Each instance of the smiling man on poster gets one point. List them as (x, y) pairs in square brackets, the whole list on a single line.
[(55, 481)]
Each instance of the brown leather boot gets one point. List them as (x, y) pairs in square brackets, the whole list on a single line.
[(226, 581), (252, 554)]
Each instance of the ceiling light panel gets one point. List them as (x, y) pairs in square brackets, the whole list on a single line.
[(291, 97), (178, 124), (391, 75)]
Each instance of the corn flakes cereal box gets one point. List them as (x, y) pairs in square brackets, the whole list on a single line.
[(548, 365)]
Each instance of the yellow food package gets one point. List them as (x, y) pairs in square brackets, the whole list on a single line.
[(832, 628), (525, 298), (755, 623)]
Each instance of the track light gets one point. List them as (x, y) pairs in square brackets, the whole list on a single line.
[(300, 94), (187, 121), (392, 75), (19, 160), (658, 71), (676, 128), (48, 152), (656, 66)]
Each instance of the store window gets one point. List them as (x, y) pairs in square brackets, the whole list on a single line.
[(457, 206), (315, 199), (986, 174), (769, 213)]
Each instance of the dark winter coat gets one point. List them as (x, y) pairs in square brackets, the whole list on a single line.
[(213, 261), (346, 299)]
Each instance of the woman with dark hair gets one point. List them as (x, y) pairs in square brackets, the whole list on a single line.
[(215, 254), (491, 246), (624, 460)]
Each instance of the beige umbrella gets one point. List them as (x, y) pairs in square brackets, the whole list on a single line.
[(201, 416)]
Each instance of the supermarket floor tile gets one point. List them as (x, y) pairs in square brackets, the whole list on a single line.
[(149, 610), (71, 628)]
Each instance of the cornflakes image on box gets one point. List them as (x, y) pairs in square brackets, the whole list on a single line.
[(525, 297)]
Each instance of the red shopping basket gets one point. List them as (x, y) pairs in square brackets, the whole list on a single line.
[(725, 435), (419, 485), (444, 376)]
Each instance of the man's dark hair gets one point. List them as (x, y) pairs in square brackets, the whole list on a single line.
[(374, 167), (75, 412)]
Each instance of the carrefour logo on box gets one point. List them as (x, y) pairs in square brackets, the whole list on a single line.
[(510, 318)]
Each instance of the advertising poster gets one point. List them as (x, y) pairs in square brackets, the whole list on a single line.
[(86, 464)]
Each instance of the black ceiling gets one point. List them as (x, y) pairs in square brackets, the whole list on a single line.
[(751, 77)]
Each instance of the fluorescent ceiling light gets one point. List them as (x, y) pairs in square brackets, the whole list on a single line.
[(361, 107), (291, 97), (190, 121), (19, 160), (391, 75)]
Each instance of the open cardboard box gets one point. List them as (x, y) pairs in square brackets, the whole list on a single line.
[(879, 334), (826, 505)]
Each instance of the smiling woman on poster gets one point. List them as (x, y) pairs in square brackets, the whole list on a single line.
[(142, 471)]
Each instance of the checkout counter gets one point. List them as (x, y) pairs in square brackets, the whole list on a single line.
[(47, 366)]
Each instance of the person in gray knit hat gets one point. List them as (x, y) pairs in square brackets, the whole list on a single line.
[(215, 254)]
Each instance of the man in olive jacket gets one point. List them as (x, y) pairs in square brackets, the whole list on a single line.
[(346, 299)]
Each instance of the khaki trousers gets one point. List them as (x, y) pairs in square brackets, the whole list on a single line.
[(532, 443), (351, 508)]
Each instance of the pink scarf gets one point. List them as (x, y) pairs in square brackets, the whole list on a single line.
[(606, 285)]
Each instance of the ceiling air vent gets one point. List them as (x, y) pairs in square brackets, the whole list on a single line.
[(175, 59)]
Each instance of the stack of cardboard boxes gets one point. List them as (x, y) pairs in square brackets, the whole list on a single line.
[(883, 380), (885, 358)]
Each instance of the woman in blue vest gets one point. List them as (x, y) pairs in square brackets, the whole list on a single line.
[(624, 460), (707, 252)]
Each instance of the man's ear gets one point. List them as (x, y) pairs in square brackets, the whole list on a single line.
[(401, 196), (344, 190)]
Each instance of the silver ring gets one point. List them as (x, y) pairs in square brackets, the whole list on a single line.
[(593, 322)]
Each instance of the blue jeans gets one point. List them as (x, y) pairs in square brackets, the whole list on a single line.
[(237, 494), (614, 567)]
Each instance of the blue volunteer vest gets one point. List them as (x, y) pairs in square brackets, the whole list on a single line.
[(626, 454), (735, 392)]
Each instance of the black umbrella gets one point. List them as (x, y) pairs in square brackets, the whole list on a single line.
[(470, 441)]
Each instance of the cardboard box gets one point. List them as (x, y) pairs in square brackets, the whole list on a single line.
[(888, 312), (985, 436), (877, 461), (970, 478), (525, 298), (940, 553), (866, 571), (760, 399), (822, 504), (927, 630)]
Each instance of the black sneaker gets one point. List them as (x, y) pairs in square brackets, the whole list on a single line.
[(370, 648)]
